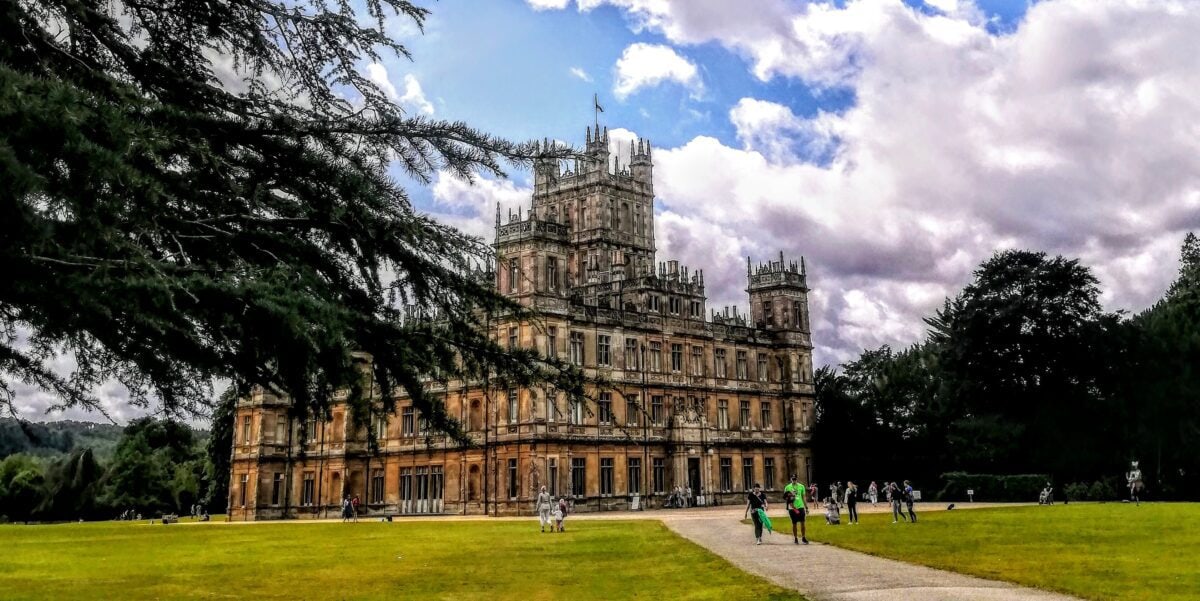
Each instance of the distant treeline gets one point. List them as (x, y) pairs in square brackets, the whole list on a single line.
[(1022, 373), (54, 438), (74, 470)]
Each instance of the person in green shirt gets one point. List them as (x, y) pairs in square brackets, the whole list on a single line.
[(793, 494)]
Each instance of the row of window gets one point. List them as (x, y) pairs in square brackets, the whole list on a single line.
[(422, 487), (656, 413), (636, 356), (633, 480)]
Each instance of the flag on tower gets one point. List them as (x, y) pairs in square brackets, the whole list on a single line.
[(596, 101)]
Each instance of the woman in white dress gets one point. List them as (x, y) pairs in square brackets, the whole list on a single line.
[(544, 509)]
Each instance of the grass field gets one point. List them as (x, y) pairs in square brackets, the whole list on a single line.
[(1096, 551), (413, 560)]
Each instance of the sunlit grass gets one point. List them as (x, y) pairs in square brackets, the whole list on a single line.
[(599, 560), (1097, 551)]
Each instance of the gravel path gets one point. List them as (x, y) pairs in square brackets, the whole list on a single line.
[(826, 573)]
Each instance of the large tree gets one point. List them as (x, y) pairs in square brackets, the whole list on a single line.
[(199, 190)]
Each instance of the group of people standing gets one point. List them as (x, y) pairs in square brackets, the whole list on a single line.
[(350, 508), (550, 513), (795, 495)]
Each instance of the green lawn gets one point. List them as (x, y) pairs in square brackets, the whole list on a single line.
[(404, 560), (1096, 551)]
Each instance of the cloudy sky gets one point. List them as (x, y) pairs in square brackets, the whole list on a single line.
[(895, 144)]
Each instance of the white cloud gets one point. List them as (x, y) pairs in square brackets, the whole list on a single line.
[(414, 97), (579, 73), (646, 65), (548, 4), (378, 74)]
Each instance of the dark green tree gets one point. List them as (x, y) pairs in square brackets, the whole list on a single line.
[(20, 487), (145, 473), (218, 452), (201, 190), (1021, 359), (1162, 383), (72, 484)]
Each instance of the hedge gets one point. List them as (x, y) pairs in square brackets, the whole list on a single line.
[(992, 487)]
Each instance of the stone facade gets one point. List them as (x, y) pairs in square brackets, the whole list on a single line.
[(711, 402)]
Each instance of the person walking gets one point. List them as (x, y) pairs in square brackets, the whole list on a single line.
[(852, 501), (544, 509), (873, 493), (354, 509), (560, 514), (793, 496), (346, 508), (756, 510), (894, 495), (908, 500)]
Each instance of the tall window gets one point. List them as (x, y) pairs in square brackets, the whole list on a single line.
[(723, 414), (767, 318), (408, 426), (246, 429), (551, 273), (747, 472), (800, 315), (660, 474), (744, 414), (726, 474), (604, 405), (719, 363), (655, 357), (513, 405), (553, 476), (673, 305), (512, 338), (376, 487), (762, 367), (381, 424), (512, 275), (769, 473), (577, 348), (310, 429), (676, 358), (603, 350), (552, 342), (308, 489), (245, 485), (281, 424), (696, 308), (697, 361), (656, 410), (512, 478), (634, 478), (276, 488), (578, 476), (741, 365), (631, 354), (606, 475), (764, 414), (652, 303), (576, 416), (631, 410)]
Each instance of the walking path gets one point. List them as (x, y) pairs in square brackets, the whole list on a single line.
[(826, 573)]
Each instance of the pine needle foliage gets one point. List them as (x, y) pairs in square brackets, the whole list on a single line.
[(200, 189)]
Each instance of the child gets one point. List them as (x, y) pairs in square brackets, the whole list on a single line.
[(560, 513)]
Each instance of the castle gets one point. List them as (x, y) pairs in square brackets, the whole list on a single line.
[(711, 402)]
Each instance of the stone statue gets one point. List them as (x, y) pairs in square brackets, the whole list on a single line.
[(1134, 478)]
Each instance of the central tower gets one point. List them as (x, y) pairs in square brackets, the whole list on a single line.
[(607, 204)]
